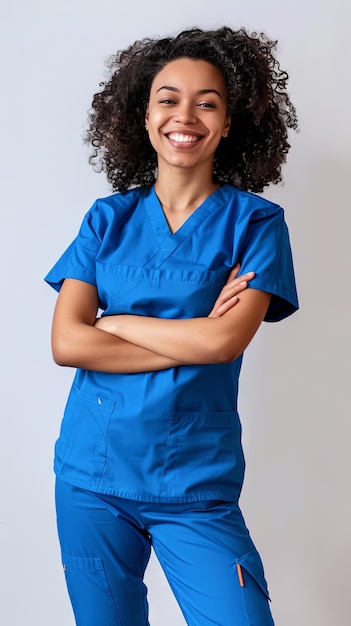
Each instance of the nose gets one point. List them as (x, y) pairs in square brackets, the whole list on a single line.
[(185, 114)]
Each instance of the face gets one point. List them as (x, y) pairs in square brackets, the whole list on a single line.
[(187, 113)]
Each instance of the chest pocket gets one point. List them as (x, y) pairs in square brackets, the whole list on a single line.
[(204, 453), (80, 451), (158, 292)]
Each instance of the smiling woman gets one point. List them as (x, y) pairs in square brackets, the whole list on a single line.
[(187, 115), (257, 101), (186, 118), (185, 263)]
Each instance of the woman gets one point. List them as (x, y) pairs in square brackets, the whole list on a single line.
[(185, 263)]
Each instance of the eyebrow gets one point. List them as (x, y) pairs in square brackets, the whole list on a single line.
[(201, 92)]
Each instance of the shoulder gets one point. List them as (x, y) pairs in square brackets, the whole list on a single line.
[(119, 202), (110, 211), (250, 205)]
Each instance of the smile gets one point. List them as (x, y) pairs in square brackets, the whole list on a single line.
[(180, 138)]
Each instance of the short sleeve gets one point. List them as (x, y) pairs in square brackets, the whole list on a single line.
[(266, 250), (78, 261)]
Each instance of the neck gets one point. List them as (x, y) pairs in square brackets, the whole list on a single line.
[(181, 192), (179, 189)]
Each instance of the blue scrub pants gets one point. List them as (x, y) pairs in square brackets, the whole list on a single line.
[(204, 549)]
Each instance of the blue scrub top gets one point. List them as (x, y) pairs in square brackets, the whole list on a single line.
[(172, 435)]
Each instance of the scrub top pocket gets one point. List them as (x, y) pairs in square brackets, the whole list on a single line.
[(80, 451), (204, 449), (159, 292)]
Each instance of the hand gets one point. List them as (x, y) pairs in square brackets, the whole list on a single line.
[(228, 296)]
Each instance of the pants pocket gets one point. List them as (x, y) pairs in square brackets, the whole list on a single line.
[(254, 590), (89, 592)]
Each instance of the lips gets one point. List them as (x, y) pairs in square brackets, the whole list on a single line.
[(183, 138)]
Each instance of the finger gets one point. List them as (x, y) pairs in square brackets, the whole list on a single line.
[(223, 308), (233, 274), (231, 289), (230, 293), (248, 276), (232, 278)]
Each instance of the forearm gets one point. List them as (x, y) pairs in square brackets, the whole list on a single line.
[(89, 348), (76, 342), (191, 340), (201, 340)]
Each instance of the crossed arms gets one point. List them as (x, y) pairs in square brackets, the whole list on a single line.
[(130, 343)]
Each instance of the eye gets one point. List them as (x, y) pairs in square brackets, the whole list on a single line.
[(207, 105), (167, 101)]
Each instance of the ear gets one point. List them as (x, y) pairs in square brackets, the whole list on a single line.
[(226, 127), (147, 119)]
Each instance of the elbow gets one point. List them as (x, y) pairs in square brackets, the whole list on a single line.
[(225, 356), (223, 351), (60, 352), (70, 345), (59, 361), (59, 357)]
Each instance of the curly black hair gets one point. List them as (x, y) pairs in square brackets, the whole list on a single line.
[(260, 108)]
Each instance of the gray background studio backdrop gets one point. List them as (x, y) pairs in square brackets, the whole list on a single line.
[(295, 383)]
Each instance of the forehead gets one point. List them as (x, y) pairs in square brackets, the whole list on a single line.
[(184, 73)]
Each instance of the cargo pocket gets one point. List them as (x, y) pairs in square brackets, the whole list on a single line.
[(89, 591), (250, 575), (80, 451)]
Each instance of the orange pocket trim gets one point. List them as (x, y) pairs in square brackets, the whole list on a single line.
[(240, 575)]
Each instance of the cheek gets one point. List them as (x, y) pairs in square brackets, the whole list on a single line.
[(154, 126), (156, 120)]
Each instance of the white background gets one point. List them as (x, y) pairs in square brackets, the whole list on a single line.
[(296, 376)]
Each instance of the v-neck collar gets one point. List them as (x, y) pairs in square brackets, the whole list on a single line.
[(159, 220), (168, 241)]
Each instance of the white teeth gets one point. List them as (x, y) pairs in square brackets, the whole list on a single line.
[(179, 138)]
